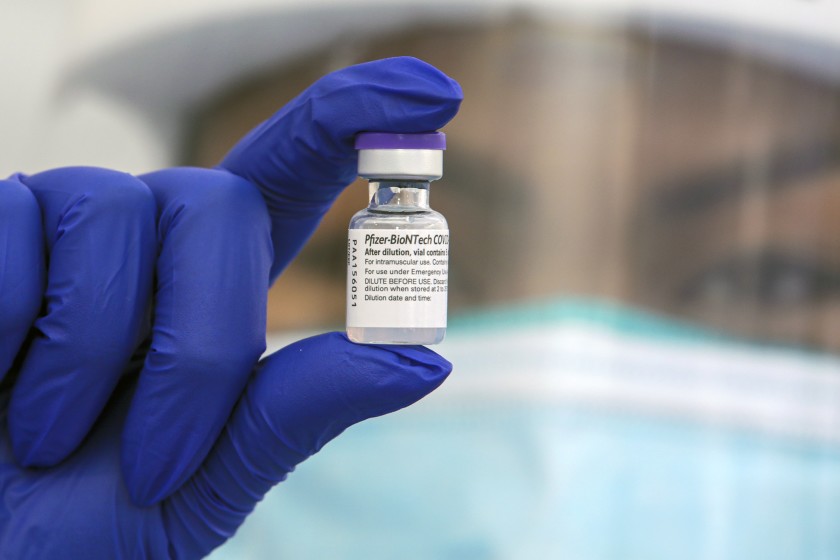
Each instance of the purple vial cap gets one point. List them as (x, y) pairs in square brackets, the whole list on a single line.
[(396, 141)]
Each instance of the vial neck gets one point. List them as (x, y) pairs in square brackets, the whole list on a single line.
[(399, 196)]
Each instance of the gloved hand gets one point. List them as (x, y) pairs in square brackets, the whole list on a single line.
[(111, 447)]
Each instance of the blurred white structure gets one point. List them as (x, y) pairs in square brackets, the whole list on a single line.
[(109, 83)]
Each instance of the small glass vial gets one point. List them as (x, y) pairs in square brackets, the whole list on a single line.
[(398, 247)]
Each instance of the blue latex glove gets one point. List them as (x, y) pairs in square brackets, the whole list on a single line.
[(108, 450)]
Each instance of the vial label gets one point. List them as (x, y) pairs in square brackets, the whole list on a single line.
[(397, 278)]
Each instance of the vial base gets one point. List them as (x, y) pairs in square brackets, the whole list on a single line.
[(387, 335)]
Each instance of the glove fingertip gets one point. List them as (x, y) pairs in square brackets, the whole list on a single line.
[(422, 362), (447, 88), (416, 66), (328, 383)]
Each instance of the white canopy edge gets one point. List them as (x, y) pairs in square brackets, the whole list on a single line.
[(160, 57)]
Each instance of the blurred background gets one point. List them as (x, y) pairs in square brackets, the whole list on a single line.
[(644, 200)]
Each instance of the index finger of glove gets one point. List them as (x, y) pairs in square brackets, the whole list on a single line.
[(303, 156)]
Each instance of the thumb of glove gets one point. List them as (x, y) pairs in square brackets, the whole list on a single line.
[(299, 399)]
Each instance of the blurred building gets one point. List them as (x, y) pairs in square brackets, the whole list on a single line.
[(583, 123)]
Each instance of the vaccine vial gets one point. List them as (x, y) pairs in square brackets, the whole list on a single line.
[(398, 247)]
